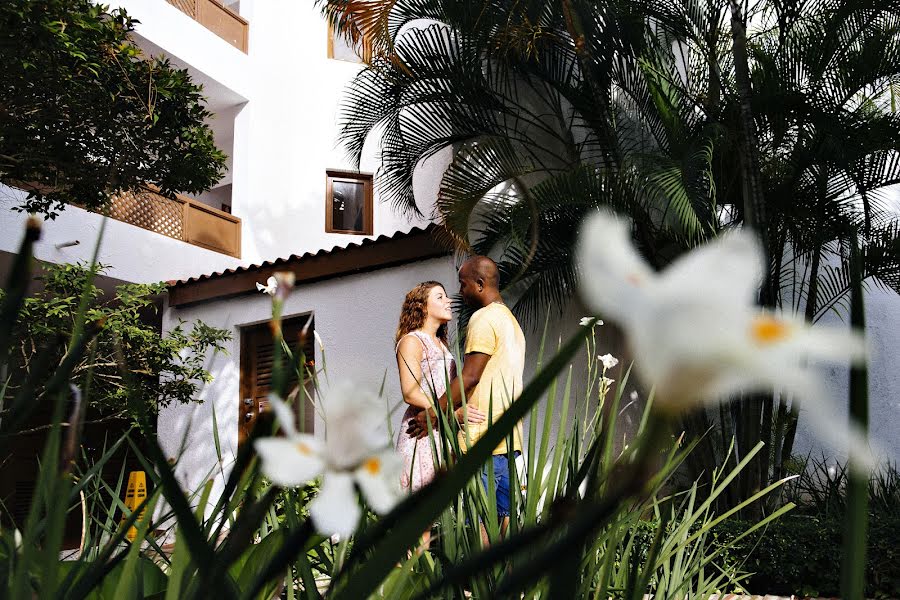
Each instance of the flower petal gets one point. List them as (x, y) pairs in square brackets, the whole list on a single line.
[(838, 433), (801, 385), (379, 478), (609, 361), (284, 414), (336, 509), (353, 424), (291, 461), (823, 343), (729, 268), (614, 277)]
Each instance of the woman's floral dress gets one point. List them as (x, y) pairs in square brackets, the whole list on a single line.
[(438, 367)]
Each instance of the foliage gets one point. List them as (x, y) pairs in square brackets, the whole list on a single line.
[(164, 368), (797, 555), (84, 115)]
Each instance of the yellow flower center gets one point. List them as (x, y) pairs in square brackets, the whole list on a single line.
[(372, 465), (303, 448), (768, 330)]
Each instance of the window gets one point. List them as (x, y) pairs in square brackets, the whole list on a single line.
[(257, 354), (348, 203), (339, 49)]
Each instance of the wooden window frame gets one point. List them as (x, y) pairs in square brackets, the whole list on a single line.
[(364, 57), (291, 327), (368, 207)]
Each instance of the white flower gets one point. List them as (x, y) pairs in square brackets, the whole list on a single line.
[(695, 330), (269, 288), (585, 321), (354, 453), (605, 382), (608, 360), (634, 396)]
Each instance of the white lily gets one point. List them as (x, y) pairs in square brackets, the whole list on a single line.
[(269, 288), (352, 454), (608, 360), (696, 332), (585, 321)]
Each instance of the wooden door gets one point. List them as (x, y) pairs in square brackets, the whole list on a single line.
[(257, 354)]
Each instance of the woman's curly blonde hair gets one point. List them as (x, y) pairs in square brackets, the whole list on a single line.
[(414, 311)]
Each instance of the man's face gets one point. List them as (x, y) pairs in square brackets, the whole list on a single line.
[(468, 287)]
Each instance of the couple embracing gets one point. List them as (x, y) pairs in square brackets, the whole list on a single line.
[(491, 373)]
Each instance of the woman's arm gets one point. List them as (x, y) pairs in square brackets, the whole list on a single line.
[(409, 363)]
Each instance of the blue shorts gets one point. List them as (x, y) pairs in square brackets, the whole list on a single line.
[(501, 482)]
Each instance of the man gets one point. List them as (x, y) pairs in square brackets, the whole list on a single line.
[(492, 371)]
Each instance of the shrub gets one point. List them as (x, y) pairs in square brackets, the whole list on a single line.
[(800, 554), (162, 368)]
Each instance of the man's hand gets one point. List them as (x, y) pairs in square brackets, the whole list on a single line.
[(469, 413), (421, 423)]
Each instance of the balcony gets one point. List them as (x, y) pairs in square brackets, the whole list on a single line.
[(218, 18), (181, 218)]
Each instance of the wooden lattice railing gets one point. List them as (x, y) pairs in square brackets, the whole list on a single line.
[(189, 7), (218, 18), (181, 218)]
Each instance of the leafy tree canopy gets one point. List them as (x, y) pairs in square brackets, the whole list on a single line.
[(84, 115)]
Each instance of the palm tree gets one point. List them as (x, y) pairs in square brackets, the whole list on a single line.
[(540, 132), (552, 108)]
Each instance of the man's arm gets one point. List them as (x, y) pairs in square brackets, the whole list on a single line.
[(473, 368)]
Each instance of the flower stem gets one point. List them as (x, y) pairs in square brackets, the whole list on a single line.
[(853, 582)]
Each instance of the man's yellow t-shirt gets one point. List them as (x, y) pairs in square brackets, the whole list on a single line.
[(493, 330)]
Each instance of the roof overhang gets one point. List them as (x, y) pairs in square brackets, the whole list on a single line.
[(383, 252)]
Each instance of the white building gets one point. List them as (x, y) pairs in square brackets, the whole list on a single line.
[(289, 200), (272, 76)]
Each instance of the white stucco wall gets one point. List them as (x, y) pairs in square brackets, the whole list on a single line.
[(135, 255), (278, 107), (290, 136), (882, 310), (213, 61)]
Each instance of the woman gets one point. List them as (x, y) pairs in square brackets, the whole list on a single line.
[(426, 365)]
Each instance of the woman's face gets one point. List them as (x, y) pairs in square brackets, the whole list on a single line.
[(439, 305)]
